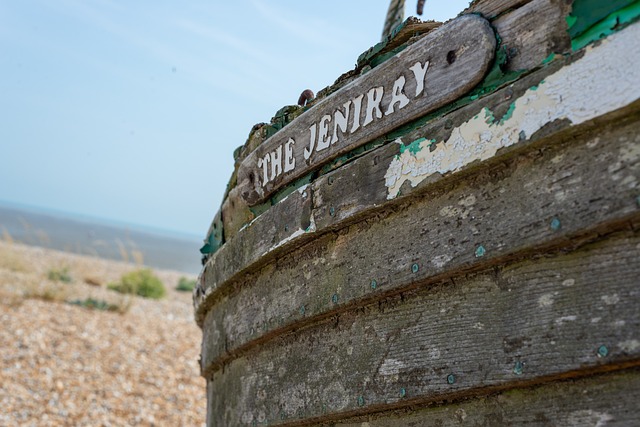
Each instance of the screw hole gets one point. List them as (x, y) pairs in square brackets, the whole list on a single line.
[(451, 57)]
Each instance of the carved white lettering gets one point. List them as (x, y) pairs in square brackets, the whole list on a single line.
[(419, 72), (276, 162), (398, 96), (340, 121), (374, 96), (289, 160), (307, 152), (264, 164), (323, 133), (357, 109)]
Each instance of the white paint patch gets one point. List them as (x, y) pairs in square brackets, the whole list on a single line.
[(391, 367), (298, 232), (434, 353), (568, 282), (629, 346), (577, 92), (441, 260), (596, 319), (545, 300), (588, 417), (610, 299), (565, 319)]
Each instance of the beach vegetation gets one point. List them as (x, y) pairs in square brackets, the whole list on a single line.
[(60, 275), (185, 284), (140, 282)]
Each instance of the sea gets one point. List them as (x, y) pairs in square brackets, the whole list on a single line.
[(100, 238)]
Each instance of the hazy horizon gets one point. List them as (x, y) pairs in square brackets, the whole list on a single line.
[(100, 238)]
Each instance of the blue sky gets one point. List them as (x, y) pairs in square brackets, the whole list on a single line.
[(130, 110)]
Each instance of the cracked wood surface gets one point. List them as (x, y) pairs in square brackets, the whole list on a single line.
[(529, 35), (524, 323), (508, 210), (605, 400), (359, 187)]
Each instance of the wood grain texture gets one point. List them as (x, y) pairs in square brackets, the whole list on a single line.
[(459, 54), (508, 210), (492, 8), (235, 213), (525, 323), (261, 239), (605, 400), (533, 32), (358, 188)]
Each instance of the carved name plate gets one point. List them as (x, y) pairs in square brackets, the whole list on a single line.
[(429, 74)]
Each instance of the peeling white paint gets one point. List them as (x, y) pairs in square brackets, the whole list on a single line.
[(565, 319), (629, 346), (545, 300), (577, 92), (303, 190), (294, 235), (588, 417), (298, 232), (391, 367), (610, 299), (440, 261)]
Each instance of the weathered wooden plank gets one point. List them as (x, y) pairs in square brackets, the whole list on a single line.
[(286, 221), (492, 8), (528, 204), (604, 400), (235, 213), (555, 317), (434, 71), (540, 104), (533, 32), (361, 186)]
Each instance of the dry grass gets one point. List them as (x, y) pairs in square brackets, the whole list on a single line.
[(10, 260), (36, 273)]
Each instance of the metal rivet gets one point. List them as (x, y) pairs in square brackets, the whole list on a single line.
[(302, 310), (555, 224), (480, 251), (403, 392), (332, 211), (374, 284), (360, 401), (603, 351), (517, 368), (415, 268), (451, 379), (334, 298), (330, 180)]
